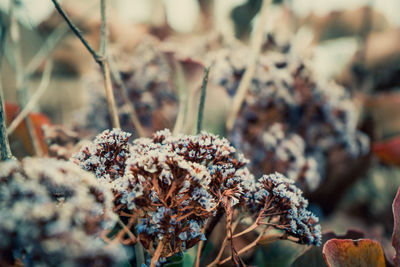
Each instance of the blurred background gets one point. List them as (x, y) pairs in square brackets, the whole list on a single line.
[(154, 43)]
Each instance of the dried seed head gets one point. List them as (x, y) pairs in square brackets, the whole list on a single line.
[(52, 212), (106, 156), (283, 203), (284, 90)]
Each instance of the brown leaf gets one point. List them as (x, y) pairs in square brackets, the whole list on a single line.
[(351, 253)]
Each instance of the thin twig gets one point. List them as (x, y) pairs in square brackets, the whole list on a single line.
[(51, 43), (5, 151), (103, 28), (77, 32), (223, 245), (100, 59), (22, 90), (4, 144), (202, 99), (251, 65), (199, 249), (116, 75), (246, 248), (157, 254), (44, 83)]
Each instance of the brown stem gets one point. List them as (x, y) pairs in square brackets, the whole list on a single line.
[(100, 59), (157, 253), (110, 95), (125, 95), (199, 248), (223, 245), (4, 144), (246, 248)]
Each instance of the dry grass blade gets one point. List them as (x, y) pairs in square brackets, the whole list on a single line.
[(44, 83), (251, 65)]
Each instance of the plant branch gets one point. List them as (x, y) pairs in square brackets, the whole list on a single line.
[(44, 83), (202, 99), (4, 144), (223, 245), (116, 75), (77, 32), (246, 248), (199, 249), (244, 84), (100, 59), (22, 90), (5, 151), (157, 254)]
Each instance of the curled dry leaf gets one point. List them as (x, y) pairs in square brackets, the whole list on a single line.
[(350, 253)]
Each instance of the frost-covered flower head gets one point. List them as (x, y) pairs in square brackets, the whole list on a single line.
[(106, 155), (178, 182), (149, 80), (285, 91), (52, 213), (283, 151), (282, 203)]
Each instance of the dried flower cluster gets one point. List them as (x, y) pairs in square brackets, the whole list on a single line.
[(173, 184), (285, 208), (52, 213), (148, 78), (107, 155), (317, 114)]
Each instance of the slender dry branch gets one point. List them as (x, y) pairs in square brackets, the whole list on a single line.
[(44, 83), (77, 32), (199, 249), (103, 28), (129, 104), (100, 59), (202, 99), (244, 84), (22, 90), (4, 144), (223, 245), (246, 248), (157, 254), (5, 151)]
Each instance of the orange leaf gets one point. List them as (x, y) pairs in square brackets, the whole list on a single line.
[(388, 151), (21, 133), (353, 253)]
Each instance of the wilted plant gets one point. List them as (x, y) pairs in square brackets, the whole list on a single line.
[(171, 187)]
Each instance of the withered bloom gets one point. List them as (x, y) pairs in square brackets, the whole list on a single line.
[(171, 185), (106, 156), (279, 203), (148, 78), (52, 213), (284, 90)]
